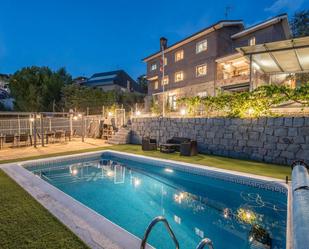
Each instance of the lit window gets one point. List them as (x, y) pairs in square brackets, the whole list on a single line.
[(156, 84), (252, 41), (201, 46), (165, 80), (179, 76), (153, 66), (179, 55), (172, 102), (202, 94), (201, 70)]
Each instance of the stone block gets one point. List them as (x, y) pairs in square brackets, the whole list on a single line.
[(228, 135), (292, 132), (303, 131), (254, 135), (282, 146), (281, 132), (270, 121), (302, 154), (298, 121), (271, 139), (288, 122), (251, 143), (278, 121), (293, 147), (269, 130), (299, 139)]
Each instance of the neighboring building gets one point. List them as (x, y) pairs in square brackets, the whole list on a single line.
[(79, 80), (115, 80), (208, 61), (5, 97), (4, 82)]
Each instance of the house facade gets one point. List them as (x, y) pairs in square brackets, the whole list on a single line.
[(114, 80), (207, 61)]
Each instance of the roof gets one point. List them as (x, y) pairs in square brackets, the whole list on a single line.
[(118, 77), (105, 78), (209, 29), (289, 56), (264, 24)]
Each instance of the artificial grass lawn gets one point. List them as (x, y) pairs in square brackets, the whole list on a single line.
[(25, 224), (264, 169)]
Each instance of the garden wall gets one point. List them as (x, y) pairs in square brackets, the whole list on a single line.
[(273, 140)]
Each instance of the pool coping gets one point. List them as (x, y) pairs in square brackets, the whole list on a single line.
[(71, 212)]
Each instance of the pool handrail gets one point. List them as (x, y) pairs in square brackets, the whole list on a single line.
[(205, 242), (152, 224)]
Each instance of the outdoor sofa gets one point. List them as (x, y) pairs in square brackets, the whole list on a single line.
[(185, 146), (149, 144)]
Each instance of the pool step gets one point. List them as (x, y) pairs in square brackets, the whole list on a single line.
[(122, 136)]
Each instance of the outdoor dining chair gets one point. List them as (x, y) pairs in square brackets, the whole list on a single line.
[(9, 138), (58, 135), (23, 138)]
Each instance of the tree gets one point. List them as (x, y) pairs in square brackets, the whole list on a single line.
[(300, 24), (143, 82), (37, 89), (81, 98), (300, 27)]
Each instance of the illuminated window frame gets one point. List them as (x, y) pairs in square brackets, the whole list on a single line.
[(179, 55), (201, 46), (179, 73), (252, 41), (197, 70), (153, 66), (165, 80), (156, 85)]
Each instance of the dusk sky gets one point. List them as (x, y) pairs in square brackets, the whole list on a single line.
[(93, 36)]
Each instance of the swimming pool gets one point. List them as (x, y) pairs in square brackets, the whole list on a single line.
[(131, 190)]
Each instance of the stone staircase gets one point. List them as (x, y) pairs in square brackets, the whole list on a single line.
[(122, 136)]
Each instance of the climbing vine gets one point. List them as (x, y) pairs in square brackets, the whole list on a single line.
[(256, 103)]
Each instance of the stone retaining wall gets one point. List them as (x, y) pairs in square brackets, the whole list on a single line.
[(273, 140)]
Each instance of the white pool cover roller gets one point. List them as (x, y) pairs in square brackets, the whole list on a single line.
[(300, 190)]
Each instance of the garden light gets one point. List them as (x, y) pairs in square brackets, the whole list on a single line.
[(183, 112), (250, 111), (138, 113)]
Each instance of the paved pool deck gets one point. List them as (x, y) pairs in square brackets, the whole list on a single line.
[(53, 148)]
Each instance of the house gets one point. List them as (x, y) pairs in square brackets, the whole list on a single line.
[(4, 82), (207, 61), (114, 80), (79, 80)]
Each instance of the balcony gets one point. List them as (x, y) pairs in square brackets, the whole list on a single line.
[(232, 70)]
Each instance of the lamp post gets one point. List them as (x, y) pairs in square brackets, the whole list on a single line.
[(163, 44)]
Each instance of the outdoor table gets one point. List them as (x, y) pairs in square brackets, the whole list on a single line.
[(17, 136), (168, 148), (49, 134)]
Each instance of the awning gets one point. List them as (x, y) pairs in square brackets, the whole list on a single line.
[(287, 56)]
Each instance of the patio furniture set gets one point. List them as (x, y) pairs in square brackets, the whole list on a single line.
[(25, 139), (186, 146), (15, 139)]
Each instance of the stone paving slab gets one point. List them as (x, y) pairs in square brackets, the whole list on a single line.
[(29, 151)]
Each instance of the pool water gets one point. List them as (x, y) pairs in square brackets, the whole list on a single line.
[(132, 192)]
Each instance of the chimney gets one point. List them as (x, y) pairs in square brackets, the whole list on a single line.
[(163, 43)]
